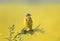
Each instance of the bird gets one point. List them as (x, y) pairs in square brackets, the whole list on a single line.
[(28, 23)]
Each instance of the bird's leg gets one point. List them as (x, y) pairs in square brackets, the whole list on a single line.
[(25, 31)]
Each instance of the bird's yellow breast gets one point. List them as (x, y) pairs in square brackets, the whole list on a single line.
[(27, 21)]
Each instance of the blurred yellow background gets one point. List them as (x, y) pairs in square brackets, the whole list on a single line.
[(46, 14)]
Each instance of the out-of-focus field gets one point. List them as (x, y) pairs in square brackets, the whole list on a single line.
[(48, 15)]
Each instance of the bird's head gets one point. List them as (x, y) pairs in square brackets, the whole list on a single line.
[(28, 15)]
